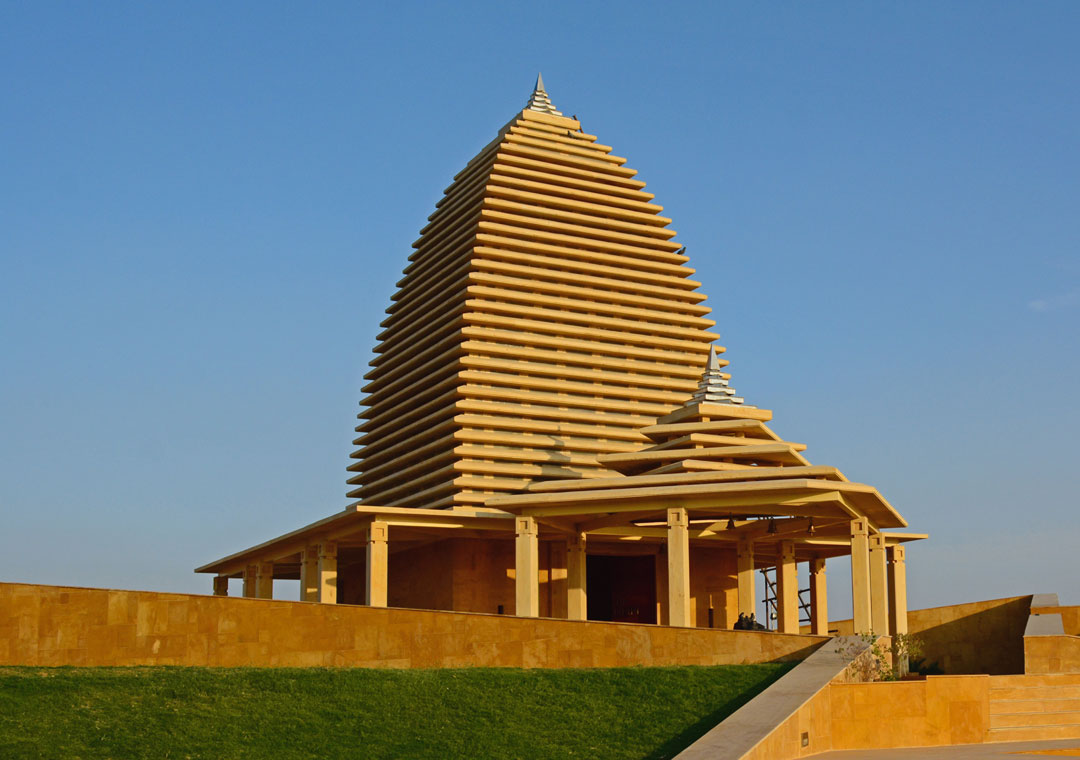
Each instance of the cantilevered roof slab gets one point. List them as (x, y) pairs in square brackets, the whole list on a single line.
[(800, 497)]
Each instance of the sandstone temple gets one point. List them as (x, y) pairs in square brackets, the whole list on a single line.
[(549, 429)]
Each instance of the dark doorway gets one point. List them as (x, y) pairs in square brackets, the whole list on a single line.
[(621, 589)]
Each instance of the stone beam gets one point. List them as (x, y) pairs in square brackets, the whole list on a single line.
[(375, 593), (860, 577), (678, 558), (879, 585), (328, 572), (526, 568), (576, 596), (819, 598), (787, 589)]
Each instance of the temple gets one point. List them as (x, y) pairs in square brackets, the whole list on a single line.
[(549, 429)]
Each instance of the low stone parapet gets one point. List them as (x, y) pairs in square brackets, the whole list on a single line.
[(56, 625)]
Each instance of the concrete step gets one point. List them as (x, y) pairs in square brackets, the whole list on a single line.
[(1035, 692), (1034, 733), (1005, 706), (1055, 679), (1032, 719)]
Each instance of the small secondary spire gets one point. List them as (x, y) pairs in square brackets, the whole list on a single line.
[(714, 387), (539, 101)]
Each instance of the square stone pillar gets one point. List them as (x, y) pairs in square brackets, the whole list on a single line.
[(221, 585), (309, 574), (879, 586), (897, 590), (744, 565), (787, 590), (250, 572), (327, 586), (860, 576), (576, 597), (678, 558), (264, 580), (526, 568), (819, 598), (377, 564)]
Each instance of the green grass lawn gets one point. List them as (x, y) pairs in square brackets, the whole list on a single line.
[(217, 713)]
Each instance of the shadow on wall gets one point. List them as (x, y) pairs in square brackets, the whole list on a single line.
[(987, 637), (967, 639)]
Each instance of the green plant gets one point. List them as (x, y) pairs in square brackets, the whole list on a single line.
[(905, 648), (868, 661)]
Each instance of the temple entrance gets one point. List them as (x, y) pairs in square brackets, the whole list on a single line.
[(621, 589)]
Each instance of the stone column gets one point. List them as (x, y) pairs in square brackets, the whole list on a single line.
[(897, 590), (787, 590), (221, 585), (377, 564), (745, 576), (576, 596), (264, 580), (309, 574), (526, 568), (819, 598), (249, 581), (879, 586), (327, 591), (860, 576), (678, 558)]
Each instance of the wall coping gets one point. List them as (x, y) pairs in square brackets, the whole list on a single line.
[(1045, 625), (1045, 600), (254, 600)]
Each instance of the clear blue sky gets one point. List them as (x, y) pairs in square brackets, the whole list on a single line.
[(204, 208)]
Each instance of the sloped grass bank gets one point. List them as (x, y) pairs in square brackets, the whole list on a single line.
[(218, 714)]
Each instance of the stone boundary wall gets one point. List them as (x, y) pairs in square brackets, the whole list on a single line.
[(1052, 654), (939, 711), (973, 638), (58, 625), (1070, 616), (1050, 645)]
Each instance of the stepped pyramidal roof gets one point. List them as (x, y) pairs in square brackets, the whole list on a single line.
[(545, 317)]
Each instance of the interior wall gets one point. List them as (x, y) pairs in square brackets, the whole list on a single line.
[(422, 577), (713, 585)]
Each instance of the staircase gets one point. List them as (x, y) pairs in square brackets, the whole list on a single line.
[(1034, 707)]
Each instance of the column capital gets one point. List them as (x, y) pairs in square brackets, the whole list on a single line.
[(817, 565), (525, 524), (859, 527), (328, 550), (896, 553), (787, 550), (877, 541), (378, 531), (677, 516)]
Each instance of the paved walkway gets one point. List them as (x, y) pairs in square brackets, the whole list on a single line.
[(1010, 750)]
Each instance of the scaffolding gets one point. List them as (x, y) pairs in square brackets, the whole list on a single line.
[(768, 574)]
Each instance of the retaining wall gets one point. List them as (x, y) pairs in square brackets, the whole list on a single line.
[(55, 625)]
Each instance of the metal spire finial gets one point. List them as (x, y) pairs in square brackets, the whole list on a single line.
[(714, 387), (539, 101)]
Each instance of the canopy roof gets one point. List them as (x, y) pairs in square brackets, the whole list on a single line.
[(720, 461)]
